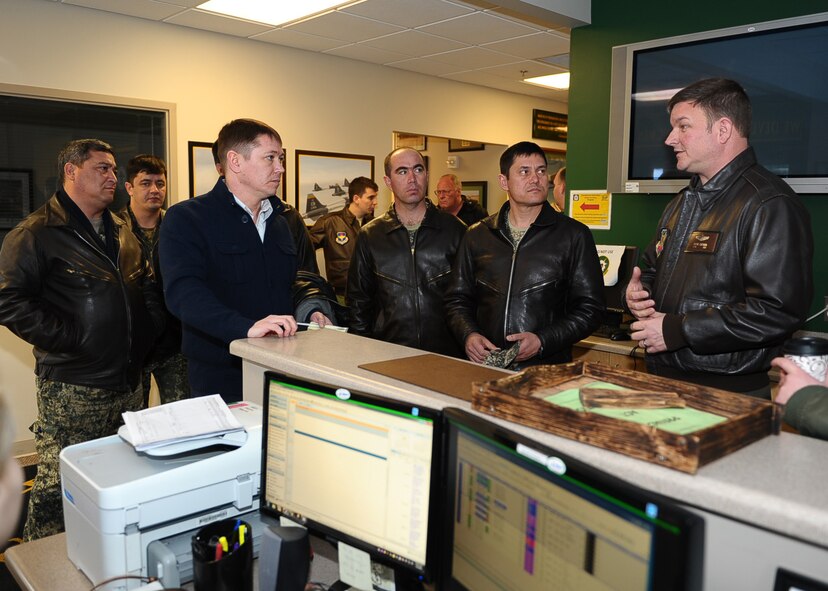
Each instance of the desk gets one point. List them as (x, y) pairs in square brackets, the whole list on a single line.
[(43, 565), (616, 354), (765, 505)]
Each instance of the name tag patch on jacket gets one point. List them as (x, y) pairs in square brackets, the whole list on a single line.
[(341, 238), (702, 242)]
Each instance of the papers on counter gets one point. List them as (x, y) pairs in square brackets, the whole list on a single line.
[(184, 420)]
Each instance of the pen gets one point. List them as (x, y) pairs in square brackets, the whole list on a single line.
[(242, 531), (219, 551), (223, 542)]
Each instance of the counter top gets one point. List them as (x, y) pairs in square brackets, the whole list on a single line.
[(777, 483)]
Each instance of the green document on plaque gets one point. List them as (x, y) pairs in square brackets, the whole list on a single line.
[(675, 420)]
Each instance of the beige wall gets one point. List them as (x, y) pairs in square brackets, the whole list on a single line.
[(316, 102)]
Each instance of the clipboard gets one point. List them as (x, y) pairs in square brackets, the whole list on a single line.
[(446, 375)]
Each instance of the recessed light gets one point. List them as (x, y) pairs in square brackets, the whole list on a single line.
[(271, 13), (556, 81)]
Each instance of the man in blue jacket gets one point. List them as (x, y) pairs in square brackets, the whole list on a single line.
[(229, 260)]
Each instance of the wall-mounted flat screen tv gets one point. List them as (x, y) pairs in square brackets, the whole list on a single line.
[(783, 66)]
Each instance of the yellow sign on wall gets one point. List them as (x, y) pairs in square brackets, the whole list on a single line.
[(592, 208)]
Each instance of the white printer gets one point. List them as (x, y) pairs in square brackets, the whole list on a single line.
[(129, 513)]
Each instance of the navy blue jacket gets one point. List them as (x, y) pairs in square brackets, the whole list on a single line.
[(220, 279)]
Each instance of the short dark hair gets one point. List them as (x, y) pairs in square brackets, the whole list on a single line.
[(145, 163), (519, 149), (392, 153), (241, 135), (214, 150), (78, 151), (717, 97), (359, 185)]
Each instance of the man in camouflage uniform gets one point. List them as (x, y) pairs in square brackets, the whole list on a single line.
[(75, 284), (147, 187)]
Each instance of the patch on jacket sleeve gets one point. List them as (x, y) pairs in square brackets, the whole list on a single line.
[(704, 242), (341, 238)]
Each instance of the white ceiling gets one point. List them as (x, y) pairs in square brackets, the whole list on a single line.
[(473, 41)]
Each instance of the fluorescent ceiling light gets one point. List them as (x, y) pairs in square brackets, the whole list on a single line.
[(652, 96), (271, 13), (556, 81)]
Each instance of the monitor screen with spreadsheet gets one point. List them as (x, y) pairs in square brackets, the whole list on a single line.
[(355, 468)]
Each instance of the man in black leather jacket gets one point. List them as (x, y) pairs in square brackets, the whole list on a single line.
[(402, 264), (728, 277), (526, 274), (75, 284)]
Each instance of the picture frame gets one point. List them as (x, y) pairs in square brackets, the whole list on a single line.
[(464, 145), (410, 140), (203, 174), (16, 196), (555, 160), (322, 180), (476, 191)]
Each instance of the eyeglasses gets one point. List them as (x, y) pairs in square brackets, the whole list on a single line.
[(439, 192)]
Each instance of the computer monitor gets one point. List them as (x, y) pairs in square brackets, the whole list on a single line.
[(521, 516), (614, 294), (353, 468)]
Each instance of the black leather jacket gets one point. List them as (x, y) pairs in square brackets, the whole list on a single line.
[(91, 323), (395, 292), (551, 285), (730, 306)]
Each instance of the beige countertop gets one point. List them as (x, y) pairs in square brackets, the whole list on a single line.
[(777, 483)]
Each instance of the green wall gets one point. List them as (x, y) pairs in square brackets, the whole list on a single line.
[(615, 22)]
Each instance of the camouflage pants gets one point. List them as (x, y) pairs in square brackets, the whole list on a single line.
[(170, 376), (66, 415)]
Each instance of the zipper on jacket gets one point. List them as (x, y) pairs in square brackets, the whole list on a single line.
[(117, 270), (515, 248), (416, 286)]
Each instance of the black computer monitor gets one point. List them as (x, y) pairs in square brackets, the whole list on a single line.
[(521, 516), (614, 294), (354, 468)]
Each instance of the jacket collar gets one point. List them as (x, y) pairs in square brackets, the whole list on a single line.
[(429, 219), (709, 192), (546, 217), (220, 189)]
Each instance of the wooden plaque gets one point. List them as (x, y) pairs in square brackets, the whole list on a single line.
[(519, 398)]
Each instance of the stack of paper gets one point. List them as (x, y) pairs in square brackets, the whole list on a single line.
[(184, 420)]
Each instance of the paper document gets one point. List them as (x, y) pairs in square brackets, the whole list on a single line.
[(676, 420), (194, 418)]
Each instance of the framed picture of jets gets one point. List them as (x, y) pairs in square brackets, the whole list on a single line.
[(322, 180)]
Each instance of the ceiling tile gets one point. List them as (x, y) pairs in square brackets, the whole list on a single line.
[(141, 8), (473, 58), (478, 28), (298, 40), (414, 43), (533, 46), (514, 70), (185, 3), (339, 25), (358, 51), (207, 21), (407, 13), (424, 66)]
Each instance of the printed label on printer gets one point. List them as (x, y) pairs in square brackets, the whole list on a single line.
[(212, 517), (342, 393)]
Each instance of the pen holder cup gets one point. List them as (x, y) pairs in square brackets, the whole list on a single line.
[(233, 570)]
